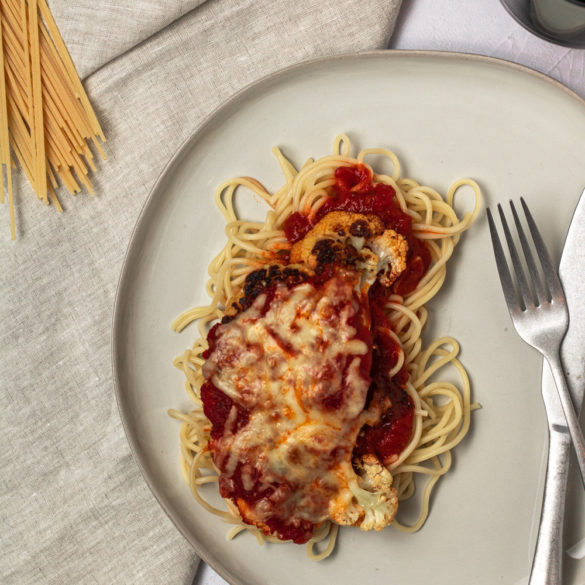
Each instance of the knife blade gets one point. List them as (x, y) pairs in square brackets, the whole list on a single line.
[(547, 563)]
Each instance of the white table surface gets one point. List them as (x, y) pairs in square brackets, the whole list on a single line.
[(471, 26)]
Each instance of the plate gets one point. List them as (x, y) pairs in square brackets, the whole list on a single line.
[(517, 133)]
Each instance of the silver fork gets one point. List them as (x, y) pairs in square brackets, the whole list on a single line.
[(540, 316)]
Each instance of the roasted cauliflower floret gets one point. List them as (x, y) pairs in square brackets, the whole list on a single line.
[(390, 248), (340, 226), (371, 501), (357, 241)]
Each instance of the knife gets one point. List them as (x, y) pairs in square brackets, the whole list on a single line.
[(547, 563)]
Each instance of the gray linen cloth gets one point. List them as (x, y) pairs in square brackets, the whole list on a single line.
[(74, 507)]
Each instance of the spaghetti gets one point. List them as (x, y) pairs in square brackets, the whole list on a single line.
[(46, 120), (434, 416)]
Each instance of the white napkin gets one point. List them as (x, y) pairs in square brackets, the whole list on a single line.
[(74, 508)]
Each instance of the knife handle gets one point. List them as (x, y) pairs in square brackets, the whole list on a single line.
[(548, 557), (570, 413)]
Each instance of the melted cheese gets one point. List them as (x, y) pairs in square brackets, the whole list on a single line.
[(283, 367)]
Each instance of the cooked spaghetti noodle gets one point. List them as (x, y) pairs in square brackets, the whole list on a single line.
[(441, 409)]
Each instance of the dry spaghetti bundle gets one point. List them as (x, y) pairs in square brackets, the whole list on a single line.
[(46, 121)]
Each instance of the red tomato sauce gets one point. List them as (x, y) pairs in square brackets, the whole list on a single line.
[(388, 438), (217, 406), (293, 528)]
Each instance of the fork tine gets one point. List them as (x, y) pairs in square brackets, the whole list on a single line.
[(526, 299), (550, 272), (542, 293), (502, 266)]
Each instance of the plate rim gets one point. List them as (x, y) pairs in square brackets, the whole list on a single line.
[(198, 130)]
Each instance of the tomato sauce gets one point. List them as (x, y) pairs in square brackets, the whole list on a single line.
[(295, 529), (388, 438), (216, 404)]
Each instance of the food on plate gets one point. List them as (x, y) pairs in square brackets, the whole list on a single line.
[(316, 405)]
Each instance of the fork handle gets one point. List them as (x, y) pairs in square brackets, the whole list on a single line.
[(570, 412), (548, 556)]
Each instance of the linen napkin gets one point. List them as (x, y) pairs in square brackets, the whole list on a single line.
[(97, 32), (74, 507)]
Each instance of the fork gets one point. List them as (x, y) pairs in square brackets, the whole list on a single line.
[(540, 314)]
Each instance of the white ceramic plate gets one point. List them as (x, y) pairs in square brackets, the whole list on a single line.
[(446, 116)]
